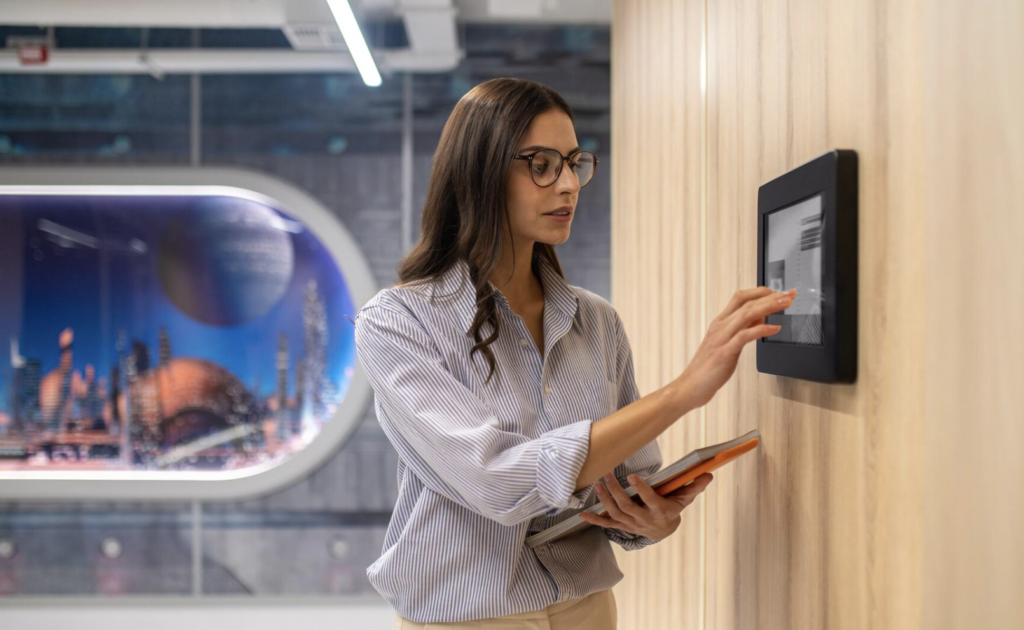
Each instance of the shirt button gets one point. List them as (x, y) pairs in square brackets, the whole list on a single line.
[(547, 390), (524, 342)]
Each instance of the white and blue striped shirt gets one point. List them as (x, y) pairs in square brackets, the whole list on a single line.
[(481, 466)]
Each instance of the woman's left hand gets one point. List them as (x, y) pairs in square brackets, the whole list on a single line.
[(656, 518)]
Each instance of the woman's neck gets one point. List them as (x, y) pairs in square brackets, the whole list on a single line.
[(519, 285)]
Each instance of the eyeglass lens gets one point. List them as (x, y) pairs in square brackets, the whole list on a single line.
[(546, 163)]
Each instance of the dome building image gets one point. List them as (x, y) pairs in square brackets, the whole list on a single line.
[(161, 408)]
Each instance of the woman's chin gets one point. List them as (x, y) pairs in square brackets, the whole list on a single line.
[(553, 241), (553, 236)]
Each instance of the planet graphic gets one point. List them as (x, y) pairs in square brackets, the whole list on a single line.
[(226, 262)]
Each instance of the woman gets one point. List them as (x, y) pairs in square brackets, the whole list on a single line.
[(508, 393)]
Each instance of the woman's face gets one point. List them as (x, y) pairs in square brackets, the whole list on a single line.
[(529, 205)]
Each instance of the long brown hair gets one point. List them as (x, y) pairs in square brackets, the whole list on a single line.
[(465, 215)]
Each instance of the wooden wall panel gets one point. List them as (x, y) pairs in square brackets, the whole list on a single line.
[(656, 171), (804, 536), (974, 547), (896, 502)]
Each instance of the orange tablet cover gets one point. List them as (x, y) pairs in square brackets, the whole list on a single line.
[(670, 485), (685, 477)]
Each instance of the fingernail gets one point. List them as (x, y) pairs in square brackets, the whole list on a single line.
[(633, 479)]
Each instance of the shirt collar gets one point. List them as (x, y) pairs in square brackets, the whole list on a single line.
[(456, 285)]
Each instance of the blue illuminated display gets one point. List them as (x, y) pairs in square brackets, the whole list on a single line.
[(170, 332)]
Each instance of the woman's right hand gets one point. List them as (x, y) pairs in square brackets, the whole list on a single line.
[(741, 322)]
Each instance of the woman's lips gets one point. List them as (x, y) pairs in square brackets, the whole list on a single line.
[(561, 218), (561, 215)]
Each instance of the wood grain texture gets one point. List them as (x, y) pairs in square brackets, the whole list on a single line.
[(656, 172), (974, 549), (822, 530), (896, 502)]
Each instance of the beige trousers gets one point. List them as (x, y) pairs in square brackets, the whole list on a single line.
[(596, 611)]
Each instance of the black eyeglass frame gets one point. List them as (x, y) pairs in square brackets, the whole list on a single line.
[(561, 163)]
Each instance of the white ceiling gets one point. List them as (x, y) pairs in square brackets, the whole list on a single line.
[(277, 13), (431, 27)]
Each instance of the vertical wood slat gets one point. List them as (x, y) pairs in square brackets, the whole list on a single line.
[(656, 187), (974, 568)]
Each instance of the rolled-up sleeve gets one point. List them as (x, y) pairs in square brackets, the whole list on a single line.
[(647, 460), (451, 440)]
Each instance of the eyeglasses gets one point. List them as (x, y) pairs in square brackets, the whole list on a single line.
[(546, 166)]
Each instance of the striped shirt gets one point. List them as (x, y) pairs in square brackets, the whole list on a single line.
[(483, 465)]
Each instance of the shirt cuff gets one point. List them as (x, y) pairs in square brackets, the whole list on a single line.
[(629, 542), (559, 461)]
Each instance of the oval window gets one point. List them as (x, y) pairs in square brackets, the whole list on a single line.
[(173, 334)]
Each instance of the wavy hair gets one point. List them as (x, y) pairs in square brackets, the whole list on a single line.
[(465, 215)]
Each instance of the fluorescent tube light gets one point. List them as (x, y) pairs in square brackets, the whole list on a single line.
[(354, 40)]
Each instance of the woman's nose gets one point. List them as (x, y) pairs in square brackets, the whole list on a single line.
[(567, 179)]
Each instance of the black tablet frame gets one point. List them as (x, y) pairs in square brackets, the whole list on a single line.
[(834, 177)]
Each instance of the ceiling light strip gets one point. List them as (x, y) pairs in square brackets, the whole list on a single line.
[(354, 40)]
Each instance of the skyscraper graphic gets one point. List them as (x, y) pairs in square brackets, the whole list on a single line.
[(114, 395), (314, 320), (165, 347), (300, 398), (124, 361), (14, 398), (29, 377), (17, 362), (144, 406), (282, 414), (91, 411), (55, 420)]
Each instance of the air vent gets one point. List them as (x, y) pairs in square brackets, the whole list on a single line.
[(314, 36)]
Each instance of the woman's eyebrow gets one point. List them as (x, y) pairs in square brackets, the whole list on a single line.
[(537, 146)]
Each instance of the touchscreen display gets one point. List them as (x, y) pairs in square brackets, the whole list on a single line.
[(793, 261)]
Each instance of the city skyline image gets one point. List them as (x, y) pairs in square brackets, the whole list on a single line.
[(154, 332)]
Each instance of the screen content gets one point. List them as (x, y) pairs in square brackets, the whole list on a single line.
[(159, 332), (793, 261)]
